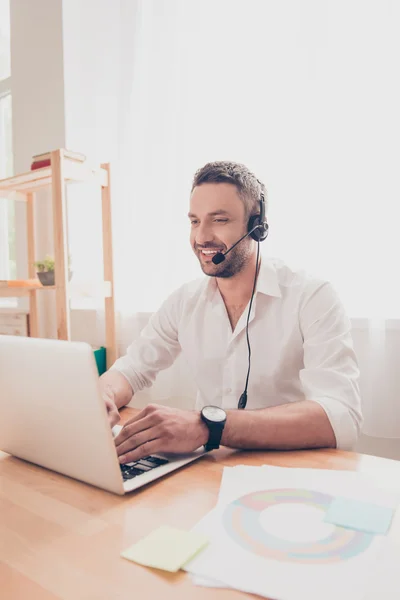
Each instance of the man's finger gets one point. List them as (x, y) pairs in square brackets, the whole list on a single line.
[(146, 411), (113, 417), (139, 439), (130, 428), (112, 413), (140, 415), (144, 450)]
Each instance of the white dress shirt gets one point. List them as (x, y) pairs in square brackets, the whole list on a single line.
[(301, 347)]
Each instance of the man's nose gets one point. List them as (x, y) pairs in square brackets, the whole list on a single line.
[(203, 234)]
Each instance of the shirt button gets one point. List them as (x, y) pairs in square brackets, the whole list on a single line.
[(228, 390)]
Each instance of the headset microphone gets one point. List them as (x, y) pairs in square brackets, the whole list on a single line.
[(218, 258)]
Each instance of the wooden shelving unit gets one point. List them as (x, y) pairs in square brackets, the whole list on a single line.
[(61, 171)]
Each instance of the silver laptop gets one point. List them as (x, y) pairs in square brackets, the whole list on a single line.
[(52, 414)]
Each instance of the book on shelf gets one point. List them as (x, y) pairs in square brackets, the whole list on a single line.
[(10, 283), (40, 164), (39, 161)]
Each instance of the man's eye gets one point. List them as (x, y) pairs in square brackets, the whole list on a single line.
[(221, 220), (193, 222)]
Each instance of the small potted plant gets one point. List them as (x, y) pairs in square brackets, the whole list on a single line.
[(45, 270)]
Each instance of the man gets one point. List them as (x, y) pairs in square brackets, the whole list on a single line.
[(303, 383)]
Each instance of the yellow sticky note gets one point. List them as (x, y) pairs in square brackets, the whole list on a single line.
[(166, 548)]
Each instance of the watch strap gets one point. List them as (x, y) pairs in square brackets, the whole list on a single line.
[(215, 435)]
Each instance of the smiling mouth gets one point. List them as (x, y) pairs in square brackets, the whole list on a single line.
[(206, 252)]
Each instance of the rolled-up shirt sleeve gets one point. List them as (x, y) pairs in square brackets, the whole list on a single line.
[(331, 375), (155, 349)]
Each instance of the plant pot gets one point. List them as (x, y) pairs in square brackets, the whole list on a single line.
[(47, 277)]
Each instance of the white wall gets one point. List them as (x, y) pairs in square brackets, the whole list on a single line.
[(37, 78), (38, 114)]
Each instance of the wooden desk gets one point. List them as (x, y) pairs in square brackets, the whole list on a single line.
[(60, 538)]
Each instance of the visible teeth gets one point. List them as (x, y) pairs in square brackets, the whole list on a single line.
[(209, 251)]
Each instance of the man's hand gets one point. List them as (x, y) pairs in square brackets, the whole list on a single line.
[(112, 410), (160, 429)]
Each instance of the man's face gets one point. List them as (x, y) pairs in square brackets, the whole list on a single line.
[(217, 217)]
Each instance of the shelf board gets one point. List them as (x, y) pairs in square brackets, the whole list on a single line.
[(40, 178), (89, 290), (26, 182), (21, 291)]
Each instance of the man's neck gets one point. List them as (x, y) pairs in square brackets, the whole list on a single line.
[(237, 290)]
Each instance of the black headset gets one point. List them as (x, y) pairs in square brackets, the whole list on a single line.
[(257, 229), (258, 223)]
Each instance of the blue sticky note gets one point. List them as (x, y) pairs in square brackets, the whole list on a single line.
[(358, 515)]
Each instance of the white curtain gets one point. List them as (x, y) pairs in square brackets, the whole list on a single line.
[(307, 95)]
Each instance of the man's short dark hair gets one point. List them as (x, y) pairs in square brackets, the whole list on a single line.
[(248, 186)]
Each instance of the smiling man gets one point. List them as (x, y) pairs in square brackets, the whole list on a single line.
[(302, 388)]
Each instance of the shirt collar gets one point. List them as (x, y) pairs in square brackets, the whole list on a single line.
[(267, 282)]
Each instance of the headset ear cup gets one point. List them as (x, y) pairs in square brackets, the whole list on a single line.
[(253, 222), (260, 234)]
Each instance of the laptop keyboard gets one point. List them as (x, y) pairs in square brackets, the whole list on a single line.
[(133, 469)]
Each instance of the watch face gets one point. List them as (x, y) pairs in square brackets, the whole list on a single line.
[(215, 414)]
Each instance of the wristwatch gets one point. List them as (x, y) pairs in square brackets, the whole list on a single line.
[(215, 419)]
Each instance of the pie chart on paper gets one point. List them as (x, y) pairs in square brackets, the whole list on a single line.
[(288, 525)]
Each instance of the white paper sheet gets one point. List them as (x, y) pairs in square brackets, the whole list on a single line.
[(205, 582), (228, 561)]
